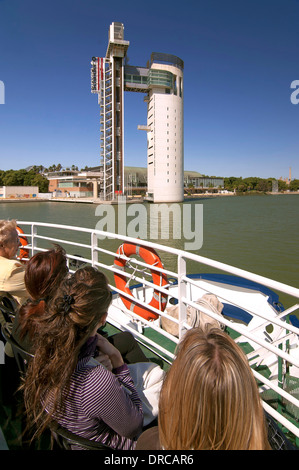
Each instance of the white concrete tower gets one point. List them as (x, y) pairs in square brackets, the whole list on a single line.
[(165, 129)]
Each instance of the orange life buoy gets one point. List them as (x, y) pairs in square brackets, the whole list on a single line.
[(24, 252), (150, 257)]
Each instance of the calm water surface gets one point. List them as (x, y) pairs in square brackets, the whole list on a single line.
[(255, 233)]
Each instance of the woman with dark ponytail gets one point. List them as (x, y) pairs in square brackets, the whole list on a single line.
[(43, 274), (77, 377)]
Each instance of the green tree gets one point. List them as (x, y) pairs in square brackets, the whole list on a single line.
[(29, 176), (14, 178), (24, 178), (294, 185), (40, 181), (252, 183), (242, 187), (231, 183), (282, 185)]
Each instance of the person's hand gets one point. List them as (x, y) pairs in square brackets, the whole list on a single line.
[(109, 350), (104, 360)]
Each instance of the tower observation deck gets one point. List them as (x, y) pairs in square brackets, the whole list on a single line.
[(162, 83)]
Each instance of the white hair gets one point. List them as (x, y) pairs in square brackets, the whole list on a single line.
[(6, 229)]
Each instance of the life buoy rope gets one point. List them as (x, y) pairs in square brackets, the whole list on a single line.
[(24, 252), (149, 256)]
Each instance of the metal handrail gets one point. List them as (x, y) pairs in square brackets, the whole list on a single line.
[(93, 245)]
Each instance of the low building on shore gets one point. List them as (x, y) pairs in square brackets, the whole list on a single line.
[(88, 183), (19, 192), (196, 182), (74, 183), (136, 181)]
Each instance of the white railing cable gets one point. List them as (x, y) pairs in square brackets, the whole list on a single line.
[(179, 253)]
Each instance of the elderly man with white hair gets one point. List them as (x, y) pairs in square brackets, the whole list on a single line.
[(11, 270), (12, 281)]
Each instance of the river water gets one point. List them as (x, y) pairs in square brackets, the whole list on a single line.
[(255, 233)]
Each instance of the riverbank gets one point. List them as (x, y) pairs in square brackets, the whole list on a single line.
[(139, 199), (20, 200), (258, 234)]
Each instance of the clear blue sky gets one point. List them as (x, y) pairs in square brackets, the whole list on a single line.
[(240, 59)]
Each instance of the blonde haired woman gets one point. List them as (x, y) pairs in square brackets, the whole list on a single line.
[(209, 399)]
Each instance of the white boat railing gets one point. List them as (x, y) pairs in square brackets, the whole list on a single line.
[(93, 250)]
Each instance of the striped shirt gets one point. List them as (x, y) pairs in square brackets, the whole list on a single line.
[(101, 405)]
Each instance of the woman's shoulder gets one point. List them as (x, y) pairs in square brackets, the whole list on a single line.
[(88, 368), (93, 376)]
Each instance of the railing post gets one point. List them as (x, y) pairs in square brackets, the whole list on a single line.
[(181, 293), (94, 252), (33, 243)]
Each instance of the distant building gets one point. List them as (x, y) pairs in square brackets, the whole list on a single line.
[(162, 83), (136, 179), (193, 179), (289, 179), (15, 192), (165, 129), (90, 182), (73, 183)]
